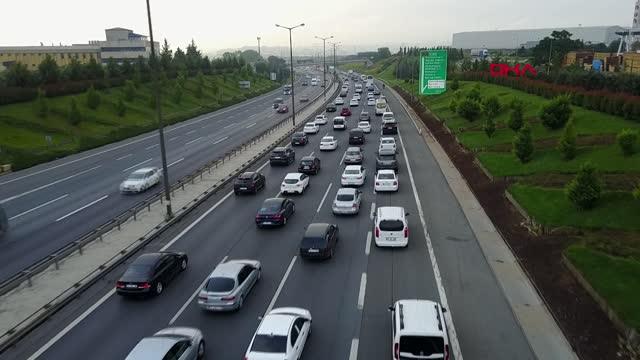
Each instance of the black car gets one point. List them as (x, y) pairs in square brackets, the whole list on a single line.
[(249, 182), (356, 137), (275, 211), (331, 108), (389, 128), (305, 83), (150, 273), (309, 165), (282, 155), (299, 139), (376, 91), (4, 223), (387, 162), (319, 241)]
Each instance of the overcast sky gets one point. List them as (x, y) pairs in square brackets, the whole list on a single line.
[(357, 24)]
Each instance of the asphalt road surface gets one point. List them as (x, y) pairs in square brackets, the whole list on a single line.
[(348, 295)]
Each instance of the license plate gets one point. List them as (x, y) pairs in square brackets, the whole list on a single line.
[(307, 167), (267, 223), (390, 238), (243, 188), (214, 308), (132, 286), (313, 250)]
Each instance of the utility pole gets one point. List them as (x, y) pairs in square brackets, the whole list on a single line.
[(163, 152), (259, 46), (549, 64), (293, 101), (335, 65), (324, 66)]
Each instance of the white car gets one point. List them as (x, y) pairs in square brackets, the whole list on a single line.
[(365, 126), (386, 180), (294, 183), (353, 175), (311, 128), (321, 119), (282, 334), (354, 102), (339, 123), (141, 180), (328, 143), (371, 102), (339, 101), (387, 146), (388, 117), (370, 95), (391, 227), (357, 96)]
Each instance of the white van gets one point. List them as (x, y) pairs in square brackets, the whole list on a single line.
[(358, 88), (314, 82), (419, 330), (381, 106), (391, 227)]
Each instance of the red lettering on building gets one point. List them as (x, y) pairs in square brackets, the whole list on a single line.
[(497, 70)]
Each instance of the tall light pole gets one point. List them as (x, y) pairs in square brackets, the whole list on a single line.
[(335, 67), (293, 99), (259, 46), (324, 66), (163, 153)]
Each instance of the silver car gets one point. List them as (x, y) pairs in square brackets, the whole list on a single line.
[(229, 284), (347, 201), (181, 343), (353, 155)]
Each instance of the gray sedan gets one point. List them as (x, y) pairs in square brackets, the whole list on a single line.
[(347, 201), (229, 284), (182, 343), (353, 155)]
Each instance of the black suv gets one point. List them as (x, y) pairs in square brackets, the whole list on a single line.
[(390, 128), (282, 155), (299, 139), (356, 137), (249, 182), (319, 241), (387, 162), (309, 165), (331, 108)]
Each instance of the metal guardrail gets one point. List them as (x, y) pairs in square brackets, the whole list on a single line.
[(25, 326)]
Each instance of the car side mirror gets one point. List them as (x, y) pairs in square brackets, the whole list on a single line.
[(391, 308), (407, 214), (444, 309)]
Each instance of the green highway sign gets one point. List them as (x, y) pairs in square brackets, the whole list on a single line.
[(433, 72)]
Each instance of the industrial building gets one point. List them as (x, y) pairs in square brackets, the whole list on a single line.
[(514, 39), (123, 44)]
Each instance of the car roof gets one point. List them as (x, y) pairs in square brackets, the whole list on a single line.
[(276, 324), (352, 167), (273, 201), (246, 175), (153, 347), (327, 138), (386, 171), (227, 269), (310, 123), (387, 138), (420, 317), (316, 229), (393, 212), (293, 176), (147, 259), (309, 157), (353, 148), (346, 191), (145, 169), (280, 148)]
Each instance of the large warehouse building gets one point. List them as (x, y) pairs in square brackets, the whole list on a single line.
[(514, 39)]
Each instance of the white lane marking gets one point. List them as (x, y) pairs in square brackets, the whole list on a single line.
[(220, 140), (343, 156), (174, 138), (124, 157), (175, 162), (324, 197), (254, 115), (453, 337), (367, 248), (82, 208), (280, 286), (250, 126), (204, 126), (190, 132), (151, 147), (195, 293), (228, 126), (363, 291), (313, 152), (194, 140), (373, 210), (353, 352), (47, 185), (136, 165), (38, 207)]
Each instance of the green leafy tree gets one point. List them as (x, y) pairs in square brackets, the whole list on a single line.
[(193, 57), (251, 56), (74, 117), (636, 192), (384, 53), (556, 112), (469, 109), (177, 94), (516, 119), (48, 70), (584, 190), (455, 85), (523, 144), (152, 101), (121, 107), (206, 65), (129, 90), (94, 70), (75, 70), (93, 98), (559, 44), (627, 139), (567, 144), (113, 69), (18, 75), (489, 127), (491, 107), (126, 68), (474, 94), (42, 104), (453, 105), (166, 56), (199, 93)]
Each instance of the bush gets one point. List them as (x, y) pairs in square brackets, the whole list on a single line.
[(453, 105), (42, 104), (74, 116), (516, 119), (523, 144), (469, 109), (121, 107), (636, 192), (152, 101), (491, 107), (556, 112), (474, 94), (489, 127), (129, 90), (199, 92), (455, 85), (584, 190), (177, 94), (93, 98), (567, 143), (627, 139), (516, 104)]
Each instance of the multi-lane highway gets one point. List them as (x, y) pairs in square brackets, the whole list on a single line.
[(52, 204), (347, 296)]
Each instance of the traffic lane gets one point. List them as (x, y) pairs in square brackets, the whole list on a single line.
[(467, 277)]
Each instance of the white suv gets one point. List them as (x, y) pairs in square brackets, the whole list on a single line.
[(391, 227), (419, 330), (387, 146)]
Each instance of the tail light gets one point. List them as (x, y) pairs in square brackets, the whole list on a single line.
[(377, 183), (145, 285), (203, 297), (395, 183), (396, 351), (377, 231), (446, 352), (229, 298), (277, 216), (359, 177), (406, 231), (119, 284)]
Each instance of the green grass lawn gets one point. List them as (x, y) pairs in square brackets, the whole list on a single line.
[(616, 210), (616, 279)]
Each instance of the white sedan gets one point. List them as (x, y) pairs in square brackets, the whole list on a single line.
[(353, 175), (328, 143), (365, 126), (321, 119), (294, 183), (371, 102), (282, 334), (354, 102), (386, 180), (311, 128), (339, 101), (141, 180)]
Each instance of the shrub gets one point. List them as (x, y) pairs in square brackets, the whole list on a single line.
[(636, 192), (129, 90), (556, 112), (199, 92), (453, 105), (469, 109), (93, 98), (567, 143), (516, 118), (152, 101), (74, 116), (474, 94), (42, 104), (177, 94), (491, 107), (627, 139), (489, 127), (584, 190), (523, 144), (121, 107), (455, 85)]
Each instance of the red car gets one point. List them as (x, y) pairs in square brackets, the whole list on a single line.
[(345, 111), (283, 109)]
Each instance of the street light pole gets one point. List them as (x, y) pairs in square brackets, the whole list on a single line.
[(259, 46), (163, 151), (324, 66), (293, 99), (335, 66)]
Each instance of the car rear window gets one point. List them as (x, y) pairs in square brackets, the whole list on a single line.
[(278, 152), (353, 152), (386, 176), (269, 344), (138, 269), (386, 157), (270, 207), (298, 135), (310, 242), (391, 225), (220, 284), (290, 181), (421, 345), (388, 142), (306, 162), (352, 172), (344, 197), (338, 121)]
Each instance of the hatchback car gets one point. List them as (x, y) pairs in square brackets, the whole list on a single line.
[(319, 241), (356, 137), (311, 128), (354, 155), (387, 146), (339, 101), (149, 273), (354, 102), (331, 108), (141, 180), (391, 227), (249, 182), (347, 201), (275, 211), (353, 175), (328, 143), (371, 102), (282, 334), (282, 108), (364, 116), (339, 123), (294, 183), (386, 180), (345, 111), (229, 285), (387, 162), (299, 139), (181, 343), (309, 165), (321, 119), (365, 126), (282, 155)]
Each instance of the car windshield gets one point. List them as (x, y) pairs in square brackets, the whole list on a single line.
[(136, 176), (306, 162), (391, 225), (220, 284), (386, 176), (138, 269), (387, 157), (345, 197), (352, 172), (353, 152), (290, 181), (422, 346), (269, 344), (298, 135)]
